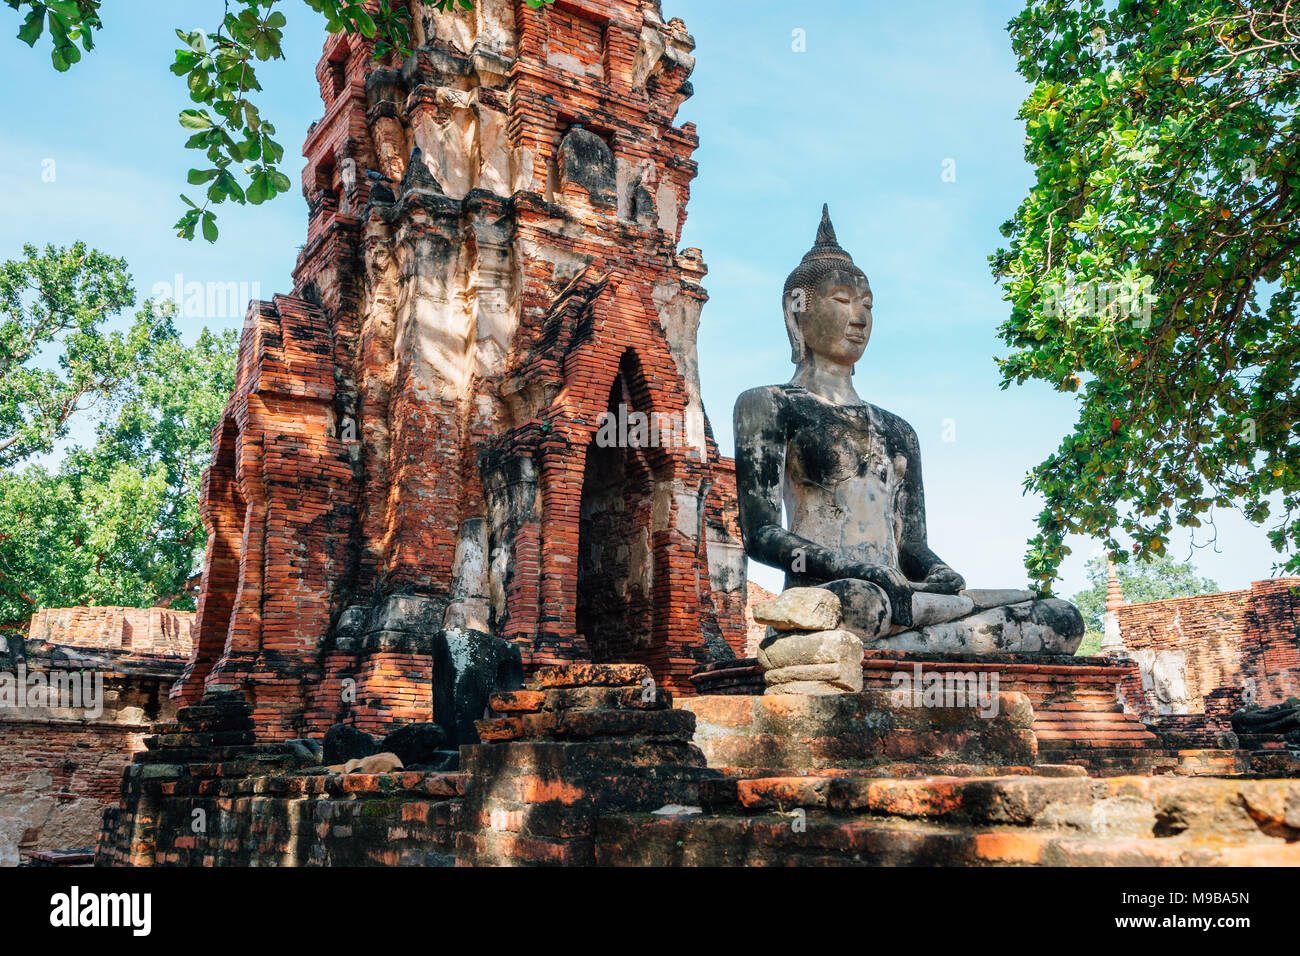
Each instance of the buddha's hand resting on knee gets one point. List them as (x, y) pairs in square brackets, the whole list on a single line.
[(944, 580), (895, 585)]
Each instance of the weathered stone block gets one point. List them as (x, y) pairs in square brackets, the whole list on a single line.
[(823, 662), (343, 743), (468, 668), (411, 613), (800, 609), (858, 730), (414, 743), (819, 647)]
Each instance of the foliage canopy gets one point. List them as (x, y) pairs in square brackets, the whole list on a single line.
[(1152, 268)]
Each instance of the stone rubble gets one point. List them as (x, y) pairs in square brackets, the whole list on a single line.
[(800, 609), (804, 652)]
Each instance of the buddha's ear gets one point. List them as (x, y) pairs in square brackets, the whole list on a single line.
[(791, 299)]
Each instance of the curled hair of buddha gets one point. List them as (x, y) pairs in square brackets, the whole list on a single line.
[(826, 256)]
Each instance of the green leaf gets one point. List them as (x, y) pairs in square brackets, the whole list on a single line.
[(195, 119), (32, 27), (365, 24), (259, 190), (67, 9)]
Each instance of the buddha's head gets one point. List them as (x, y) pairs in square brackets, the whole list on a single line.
[(827, 302)]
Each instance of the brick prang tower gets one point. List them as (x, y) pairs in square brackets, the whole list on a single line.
[(408, 502)]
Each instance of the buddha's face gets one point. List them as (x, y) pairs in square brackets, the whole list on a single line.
[(836, 324)]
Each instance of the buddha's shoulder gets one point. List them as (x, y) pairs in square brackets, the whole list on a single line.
[(895, 426), (794, 403), (764, 397)]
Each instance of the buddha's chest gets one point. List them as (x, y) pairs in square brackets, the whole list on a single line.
[(839, 449)]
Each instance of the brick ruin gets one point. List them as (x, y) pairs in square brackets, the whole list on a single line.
[(62, 762), (408, 475), (1193, 661), (587, 765), (413, 516)]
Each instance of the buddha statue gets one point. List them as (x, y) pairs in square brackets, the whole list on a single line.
[(849, 476)]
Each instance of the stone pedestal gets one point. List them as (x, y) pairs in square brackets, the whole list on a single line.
[(817, 662), (876, 729), (1077, 717), (805, 652)]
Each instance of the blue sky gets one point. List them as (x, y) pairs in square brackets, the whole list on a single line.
[(864, 119)]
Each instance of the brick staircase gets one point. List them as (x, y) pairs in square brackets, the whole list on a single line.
[(1092, 731), (578, 741), (1097, 734), (1077, 717)]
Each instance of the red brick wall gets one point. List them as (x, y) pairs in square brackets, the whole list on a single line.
[(393, 688), (140, 630), (278, 504), (754, 632), (56, 780), (574, 39), (1230, 639), (722, 520), (60, 762)]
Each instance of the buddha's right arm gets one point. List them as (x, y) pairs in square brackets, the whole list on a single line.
[(773, 545)]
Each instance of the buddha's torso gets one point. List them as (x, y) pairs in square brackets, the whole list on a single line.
[(842, 478)]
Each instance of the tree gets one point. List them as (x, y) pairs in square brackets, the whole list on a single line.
[(118, 522), (61, 300), (1152, 268), (139, 483), (220, 70), (1156, 580), (39, 557)]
